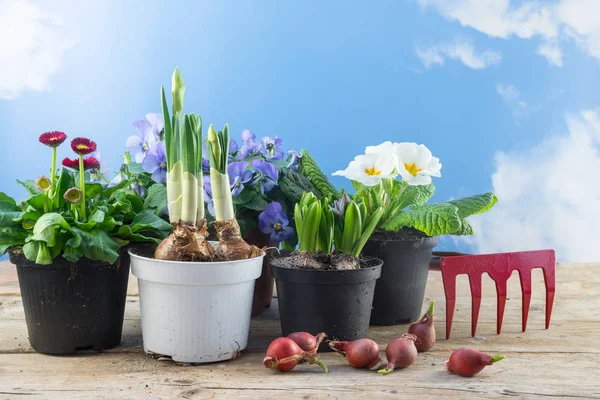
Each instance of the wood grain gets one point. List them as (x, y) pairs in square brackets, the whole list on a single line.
[(561, 362)]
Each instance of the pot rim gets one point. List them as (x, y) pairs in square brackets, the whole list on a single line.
[(192, 263), (19, 260), (372, 238), (327, 277)]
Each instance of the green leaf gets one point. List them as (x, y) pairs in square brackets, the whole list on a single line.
[(258, 203), (148, 220), (93, 189), (367, 229), (352, 228), (37, 252), (4, 198), (9, 214), (97, 245), (465, 228), (45, 228), (244, 197), (294, 184), (29, 185), (135, 168), (410, 197), (474, 204), (72, 254), (431, 219), (317, 177), (95, 218), (37, 201), (64, 183), (12, 237), (310, 227), (125, 233), (156, 198)]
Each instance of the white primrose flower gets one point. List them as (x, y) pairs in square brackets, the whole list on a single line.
[(416, 164), (370, 169)]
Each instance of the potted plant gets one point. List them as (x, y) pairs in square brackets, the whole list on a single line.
[(262, 177), (326, 286), (68, 240), (409, 228), (195, 297)]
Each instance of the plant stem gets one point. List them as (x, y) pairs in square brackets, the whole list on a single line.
[(82, 187), (51, 192)]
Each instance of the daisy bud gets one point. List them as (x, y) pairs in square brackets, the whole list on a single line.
[(73, 195), (43, 184)]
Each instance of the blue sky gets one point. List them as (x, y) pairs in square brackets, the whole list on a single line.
[(500, 91)]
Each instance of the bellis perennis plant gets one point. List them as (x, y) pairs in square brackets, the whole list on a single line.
[(68, 215), (398, 178)]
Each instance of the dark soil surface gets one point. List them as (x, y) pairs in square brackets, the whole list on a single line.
[(403, 234), (322, 261)]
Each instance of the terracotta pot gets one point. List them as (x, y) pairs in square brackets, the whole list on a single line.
[(263, 288)]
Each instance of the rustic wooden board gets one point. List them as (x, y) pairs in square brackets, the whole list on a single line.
[(559, 362)]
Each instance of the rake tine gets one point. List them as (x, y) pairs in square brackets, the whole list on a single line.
[(501, 293), (449, 280), (549, 279), (475, 282), (525, 277)]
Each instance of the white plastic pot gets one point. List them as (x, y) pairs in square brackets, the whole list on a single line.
[(195, 312)]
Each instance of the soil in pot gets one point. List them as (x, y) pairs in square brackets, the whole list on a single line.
[(70, 306), (400, 292), (320, 293)]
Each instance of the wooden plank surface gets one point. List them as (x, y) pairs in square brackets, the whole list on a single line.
[(562, 362)]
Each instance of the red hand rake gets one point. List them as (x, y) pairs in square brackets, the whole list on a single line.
[(499, 267)]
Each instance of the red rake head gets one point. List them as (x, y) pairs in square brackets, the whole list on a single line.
[(499, 267)]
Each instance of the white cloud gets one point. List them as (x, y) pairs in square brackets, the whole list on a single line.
[(552, 52), (548, 196), (512, 97), (461, 50), (551, 21), (32, 47)]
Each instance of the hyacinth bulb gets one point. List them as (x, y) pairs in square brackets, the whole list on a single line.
[(52, 139), (83, 146), (43, 184)]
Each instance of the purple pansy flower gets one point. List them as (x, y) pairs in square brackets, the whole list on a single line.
[(205, 166), (250, 146), (271, 148), (149, 133), (233, 146), (208, 195), (238, 175), (274, 222), (155, 162), (267, 175), (294, 159)]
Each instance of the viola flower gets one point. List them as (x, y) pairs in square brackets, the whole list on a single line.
[(416, 164), (70, 163), (250, 146), (205, 166), (238, 175), (208, 196), (73, 195), (53, 139), (370, 169), (98, 173), (155, 162), (294, 158), (43, 184), (274, 222), (233, 146), (83, 146), (149, 133), (268, 175), (271, 148)]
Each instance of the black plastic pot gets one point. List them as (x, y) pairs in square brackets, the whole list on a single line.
[(335, 302), (70, 306), (400, 291)]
